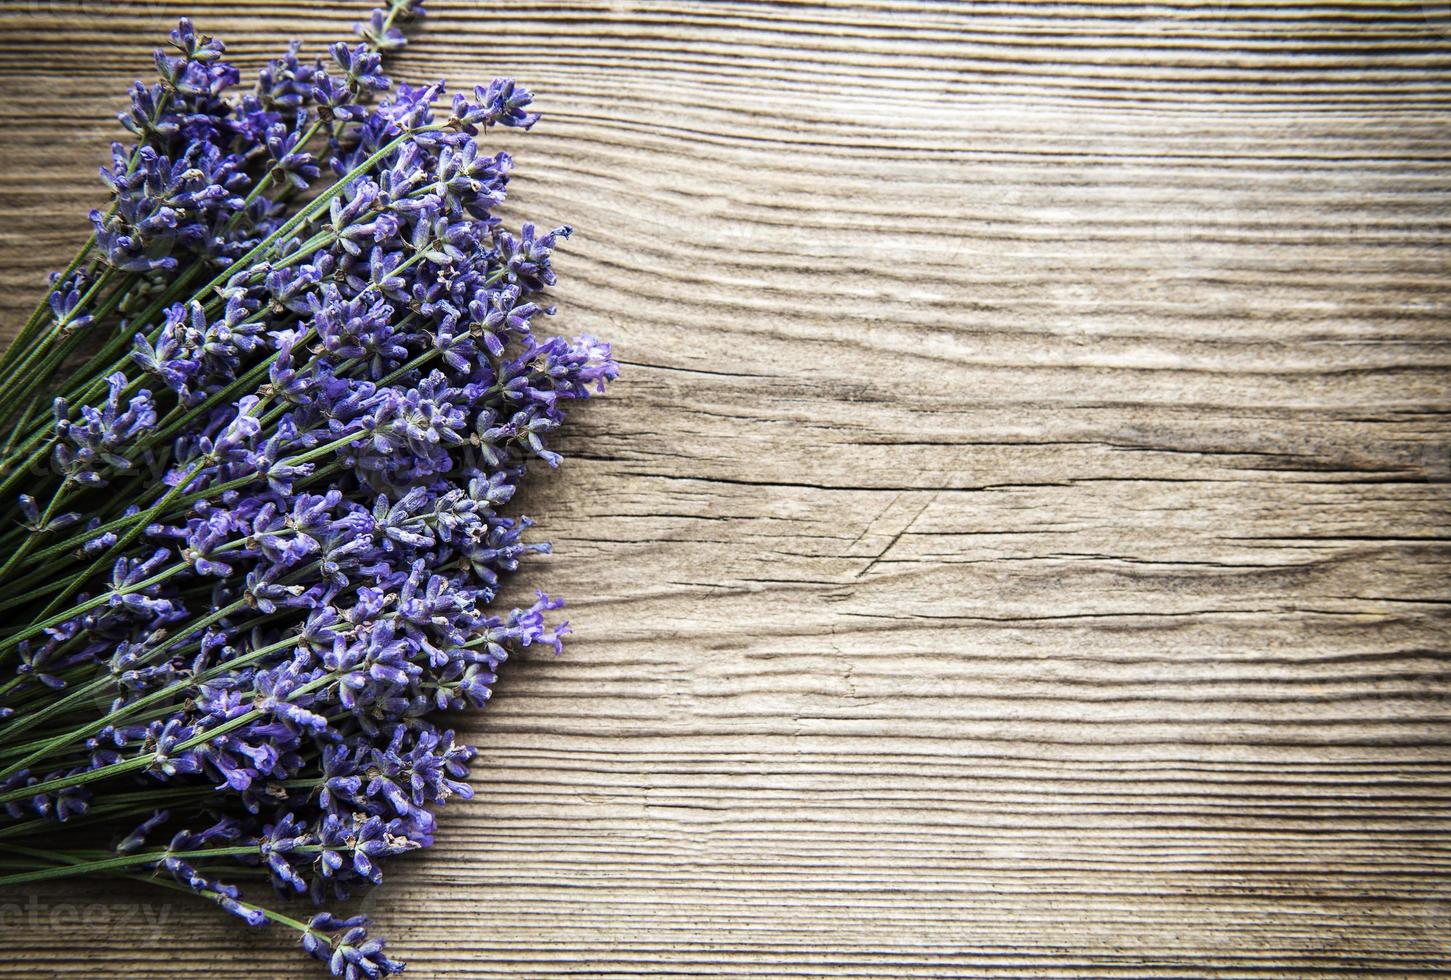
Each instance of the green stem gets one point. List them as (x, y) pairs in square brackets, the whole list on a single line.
[(312, 209), (90, 728), (43, 429), (306, 214), (137, 763), (162, 105), (90, 374), (28, 720), (181, 504), (78, 581), (43, 307), (124, 861), (33, 377), (278, 917), (39, 530), (137, 523), (57, 329), (18, 471), (39, 627), (20, 425), (24, 721), (110, 808)]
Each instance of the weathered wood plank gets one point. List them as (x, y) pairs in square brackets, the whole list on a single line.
[(1018, 545)]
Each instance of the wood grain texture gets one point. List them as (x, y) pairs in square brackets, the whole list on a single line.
[(1017, 546)]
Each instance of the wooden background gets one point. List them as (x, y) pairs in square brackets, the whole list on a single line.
[(1017, 545)]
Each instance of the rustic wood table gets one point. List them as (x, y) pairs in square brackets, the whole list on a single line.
[(1017, 545)]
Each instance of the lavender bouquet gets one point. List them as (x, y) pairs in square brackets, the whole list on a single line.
[(256, 441)]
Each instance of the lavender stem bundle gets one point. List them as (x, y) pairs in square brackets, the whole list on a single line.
[(257, 439)]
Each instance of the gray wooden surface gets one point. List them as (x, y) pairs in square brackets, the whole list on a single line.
[(1017, 545)]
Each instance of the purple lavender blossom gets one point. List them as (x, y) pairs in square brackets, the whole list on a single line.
[(290, 573)]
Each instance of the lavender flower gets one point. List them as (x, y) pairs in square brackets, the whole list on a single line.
[(344, 945), (316, 398)]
